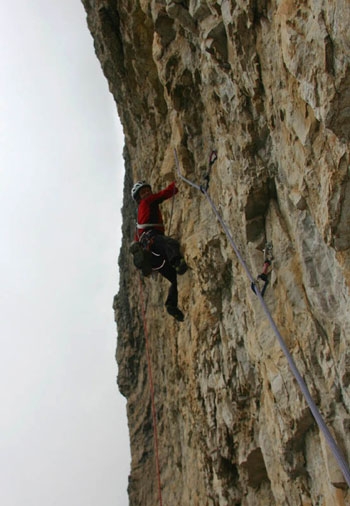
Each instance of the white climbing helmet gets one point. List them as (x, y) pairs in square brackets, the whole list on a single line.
[(137, 187)]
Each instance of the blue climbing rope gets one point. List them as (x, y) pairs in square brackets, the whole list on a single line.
[(317, 415)]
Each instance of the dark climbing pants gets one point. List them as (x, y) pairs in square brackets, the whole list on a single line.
[(167, 247), (165, 252), (170, 274)]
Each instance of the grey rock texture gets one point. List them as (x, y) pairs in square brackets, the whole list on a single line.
[(266, 84)]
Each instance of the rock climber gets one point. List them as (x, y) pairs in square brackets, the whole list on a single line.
[(152, 249)]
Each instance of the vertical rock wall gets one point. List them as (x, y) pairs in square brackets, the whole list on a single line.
[(266, 84)]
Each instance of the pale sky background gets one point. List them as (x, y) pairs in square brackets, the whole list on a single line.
[(63, 429)]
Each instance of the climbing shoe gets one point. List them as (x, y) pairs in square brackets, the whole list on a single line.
[(176, 313), (180, 266)]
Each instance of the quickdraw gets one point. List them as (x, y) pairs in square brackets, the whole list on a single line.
[(212, 158), (146, 241)]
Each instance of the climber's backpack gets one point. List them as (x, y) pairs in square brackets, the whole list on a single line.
[(142, 258)]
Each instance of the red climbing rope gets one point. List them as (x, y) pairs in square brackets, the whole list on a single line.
[(151, 387)]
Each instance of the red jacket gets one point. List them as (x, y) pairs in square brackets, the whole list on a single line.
[(149, 213)]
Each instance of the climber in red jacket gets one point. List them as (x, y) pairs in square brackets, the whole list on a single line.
[(152, 249)]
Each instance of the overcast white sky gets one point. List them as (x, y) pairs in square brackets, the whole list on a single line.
[(63, 429)]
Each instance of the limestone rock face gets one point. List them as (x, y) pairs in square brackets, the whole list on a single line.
[(266, 85)]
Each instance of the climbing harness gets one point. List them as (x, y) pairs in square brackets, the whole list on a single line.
[(146, 240), (142, 254), (151, 387), (142, 226), (263, 277), (317, 416)]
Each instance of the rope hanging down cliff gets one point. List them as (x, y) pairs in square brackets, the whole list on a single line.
[(318, 418), (151, 387)]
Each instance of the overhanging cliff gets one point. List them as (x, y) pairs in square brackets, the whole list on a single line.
[(266, 85)]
